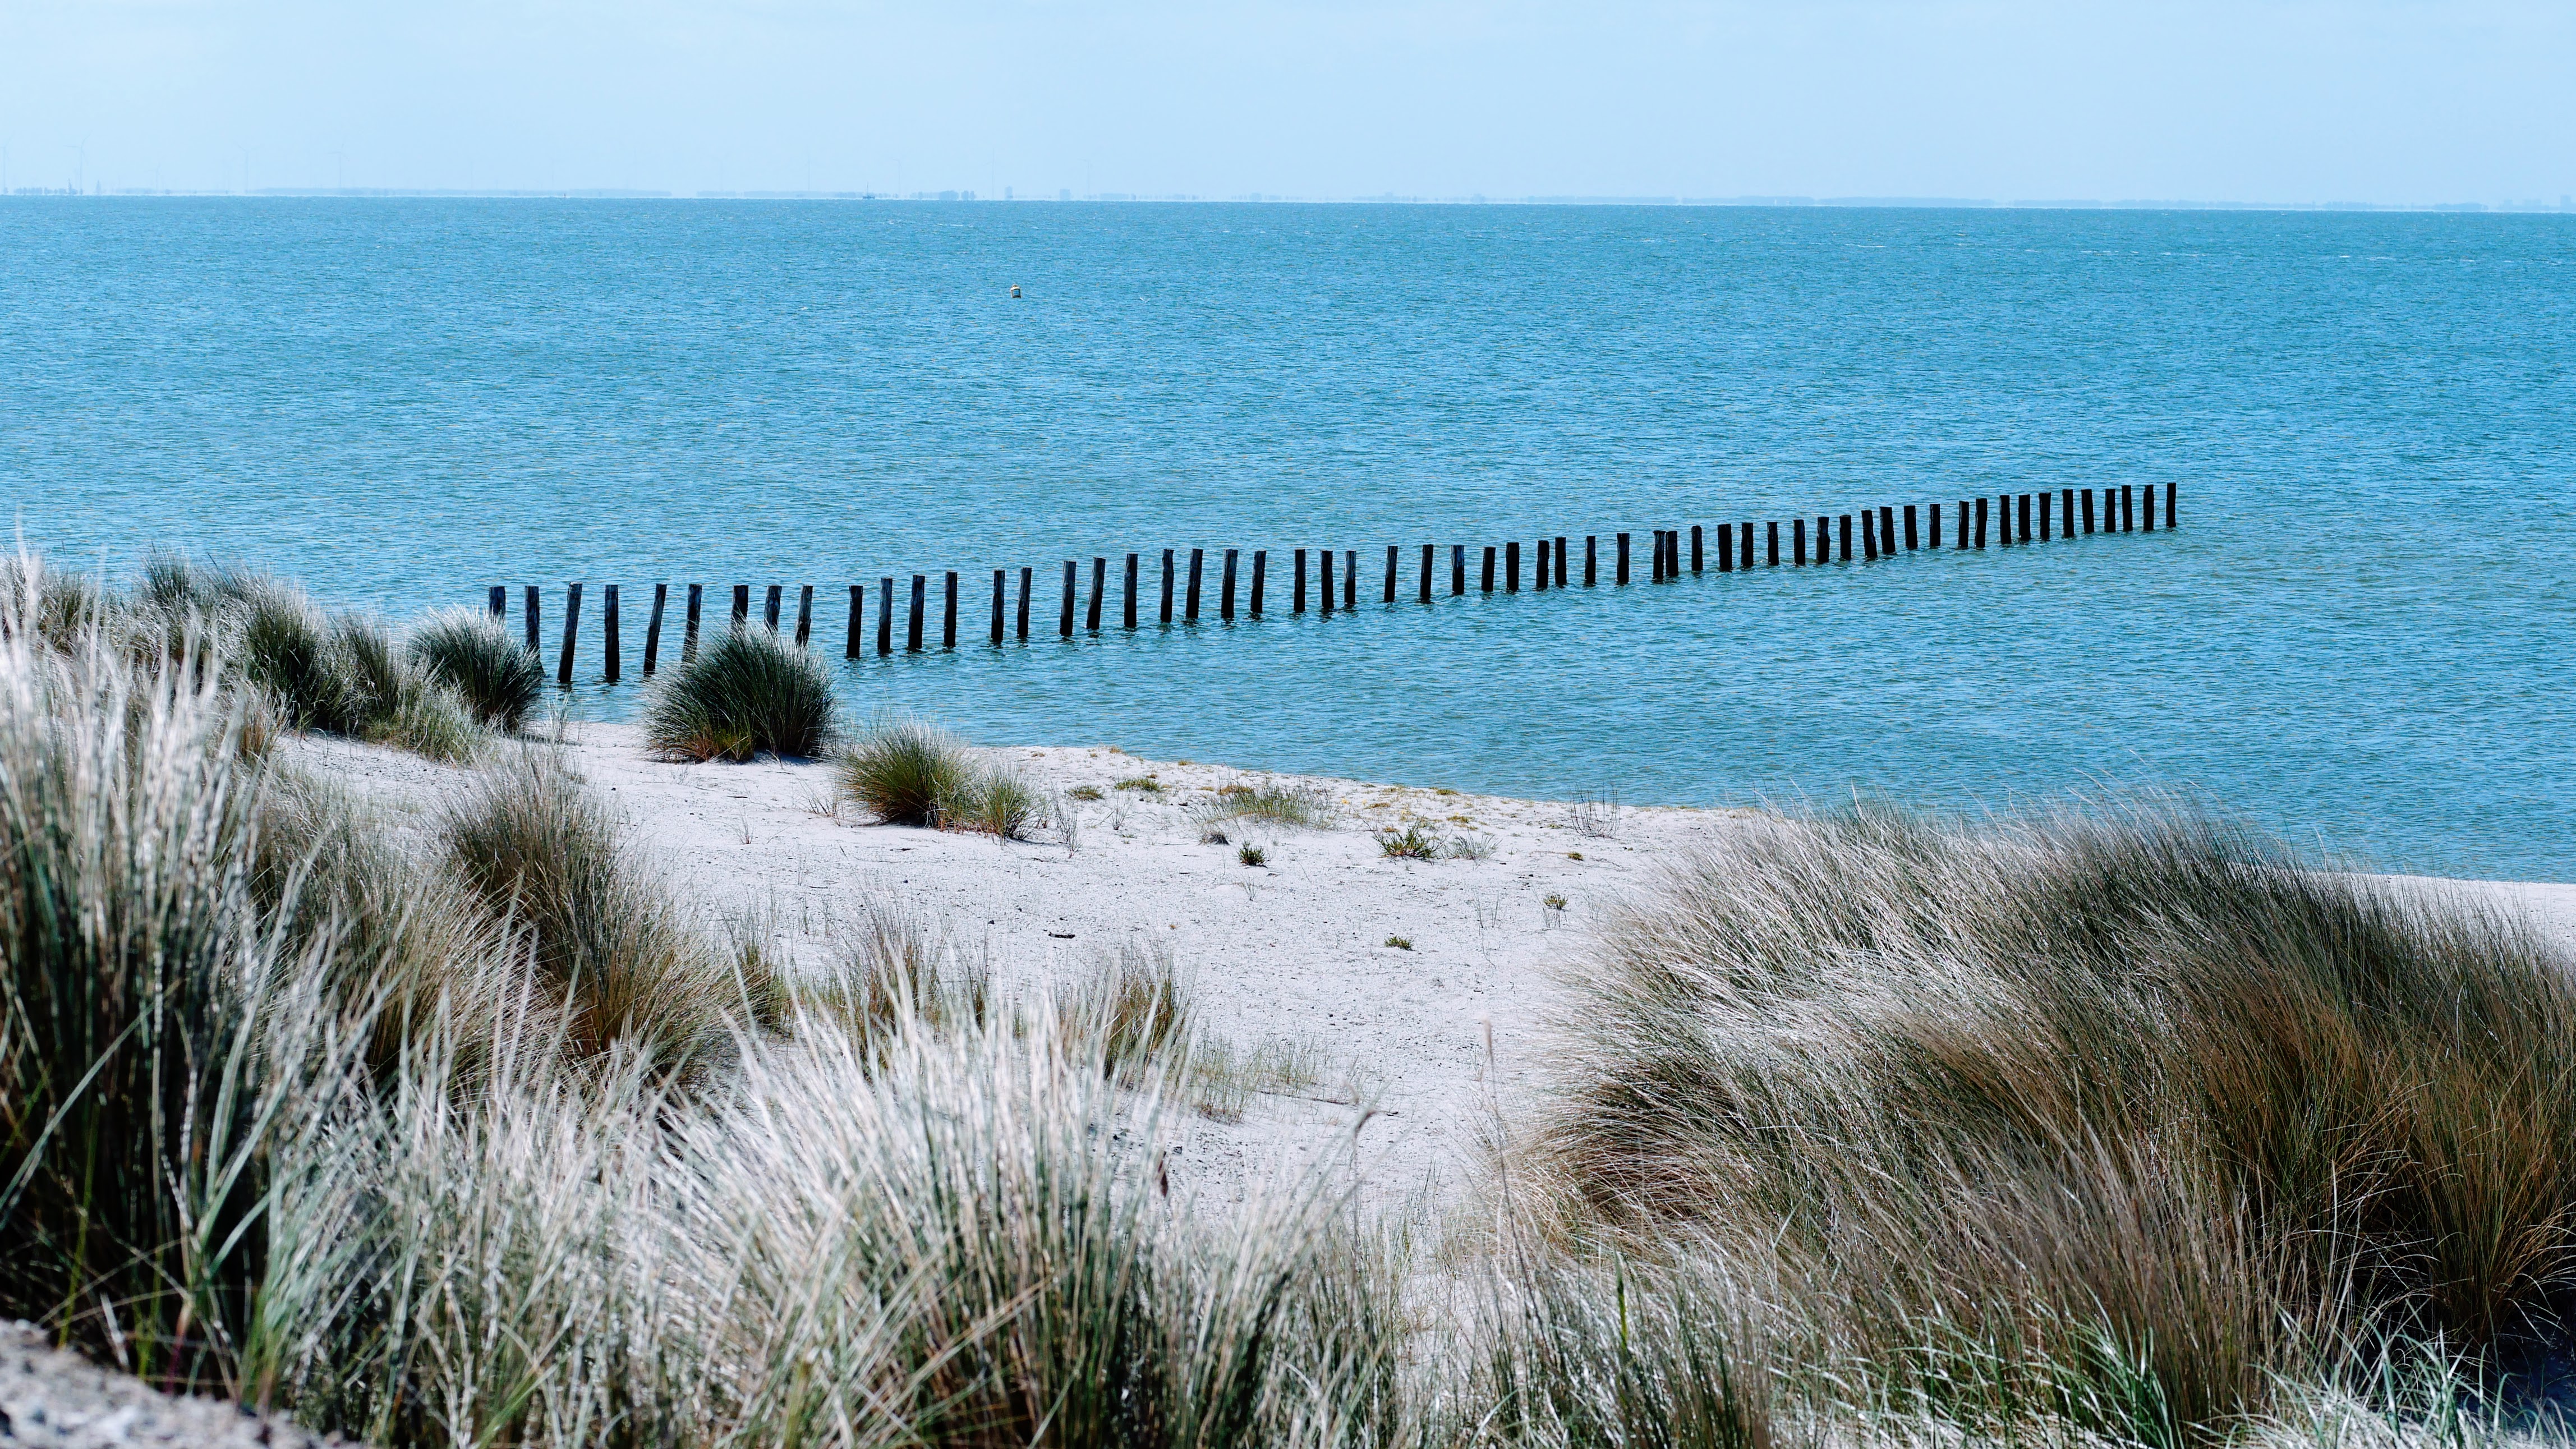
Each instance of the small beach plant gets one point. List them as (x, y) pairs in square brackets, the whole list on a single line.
[(906, 772), (499, 679), (748, 693)]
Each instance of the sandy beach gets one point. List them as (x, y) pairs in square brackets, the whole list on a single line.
[(1423, 1043)]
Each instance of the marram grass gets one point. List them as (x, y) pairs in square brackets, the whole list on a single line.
[(747, 693)]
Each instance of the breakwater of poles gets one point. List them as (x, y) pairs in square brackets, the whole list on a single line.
[(2007, 520)]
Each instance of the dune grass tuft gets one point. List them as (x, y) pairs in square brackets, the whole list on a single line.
[(748, 693), (498, 678), (1131, 1011), (2125, 1118), (1272, 803), (905, 772)]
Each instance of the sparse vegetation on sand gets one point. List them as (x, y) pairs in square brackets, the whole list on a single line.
[(904, 772), (747, 693), (2119, 1130), (1271, 803)]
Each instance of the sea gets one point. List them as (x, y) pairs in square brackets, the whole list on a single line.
[(2360, 636)]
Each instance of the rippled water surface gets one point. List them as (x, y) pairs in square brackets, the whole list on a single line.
[(2360, 635)]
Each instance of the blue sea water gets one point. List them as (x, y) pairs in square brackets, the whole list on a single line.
[(2361, 635)]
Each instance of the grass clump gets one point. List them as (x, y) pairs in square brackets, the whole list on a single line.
[(1400, 943), (472, 654), (907, 773), (1141, 784), (748, 693), (1251, 854), (1411, 843), (1132, 1011), (1087, 792), (1275, 804), (2119, 1121)]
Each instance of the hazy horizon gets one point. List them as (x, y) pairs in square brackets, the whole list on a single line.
[(2379, 102)]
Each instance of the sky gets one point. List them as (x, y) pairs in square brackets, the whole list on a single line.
[(2388, 101)]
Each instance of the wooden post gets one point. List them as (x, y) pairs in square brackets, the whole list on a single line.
[(1390, 573), (1099, 586), (1774, 551), (2066, 512), (689, 635), (1798, 541), (804, 614), (499, 604), (1324, 579), (1655, 569), (1542, 567), (1028, 581), (1887, 530), (2088, 510), (1745, 560), (1427, 554), (1198, 564), (2173, 493), (1935, 535), (1001, 591), (1064, 623), (855, 635), (1623, 558), (769, 612), (1981, 520), (1591, 558), (1260, 567), (1225, 588), (1297, 586), (614, 667), (948, 614), (1457, 570), (572, 628), (653, 629), (1868, 538), (1130, 599), (920, 612), (2045, 498), (1846, 537), (2128, 507), (1726, 548), (1963, 523), (1512, 567), (1350, 579), (2025, 518), (2151, 509), (1488, 574), (1911, 536), (885, 615), (532, 596), (741, 606), (1825, 541), (1695, 542)]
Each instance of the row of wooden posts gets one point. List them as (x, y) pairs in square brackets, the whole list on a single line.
[(2121, 512)]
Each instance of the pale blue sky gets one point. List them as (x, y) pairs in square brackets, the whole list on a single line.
[(2247, 100)]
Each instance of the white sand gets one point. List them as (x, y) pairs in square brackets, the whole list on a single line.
[(1294, 949)]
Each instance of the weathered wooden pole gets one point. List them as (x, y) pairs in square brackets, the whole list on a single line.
[(854, 636), (1020, 625), (1198, 564), (653, 629), (1001, 598), (572, 629), (1166, 615), (1561, 561), (1393, 557), (885, 615), (1911, 536), (1350, 579), (689, 634), (1324, 579), (804, 614), (1512, 567), (1798, 540), (2151, 508), (2025, 518), (2088, 510), (912, 628), (1260, 567), (1297, 586), (1981, 520), (769, 614), (533, 594), (1128, 596), (2128, 508), (948, 613), (1591, 558), (1457, 570), (2173, 496), (1427, 555), (1774, 552), (2045, 498), (742, 606), (613, 668), (1225, 589), (1934, 535), (1489, 569), (1623, 558), (499, 602), (1064, 625), (1745, 561), (1541, 576)]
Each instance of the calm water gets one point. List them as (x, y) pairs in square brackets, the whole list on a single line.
[(2361, 635)]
